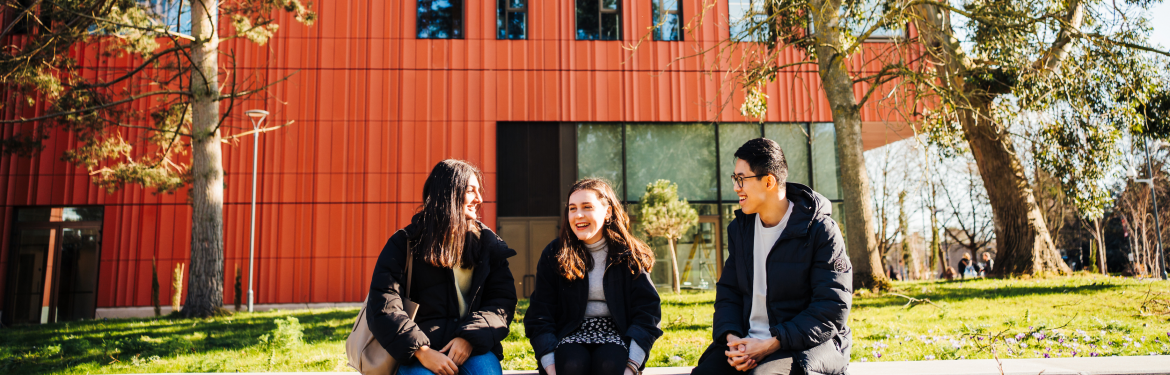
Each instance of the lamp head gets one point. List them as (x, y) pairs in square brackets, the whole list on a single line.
[(256, 113)]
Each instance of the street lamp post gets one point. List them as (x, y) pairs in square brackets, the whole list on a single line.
[(1154, 199), (257, 116)]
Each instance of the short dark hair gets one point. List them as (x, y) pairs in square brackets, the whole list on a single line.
[(764, 156)]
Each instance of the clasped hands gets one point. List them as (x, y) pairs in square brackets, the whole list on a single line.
[(445, 361), (746, 353)]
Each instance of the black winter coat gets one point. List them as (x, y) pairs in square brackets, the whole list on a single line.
[(810, 285), (557, 306), (437, 322)]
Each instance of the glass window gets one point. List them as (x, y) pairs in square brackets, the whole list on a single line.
[(696, 251), (512, 19), (15, 14), (681, 153), (599, 153), (826, 169), (728, 215), (747, 20), (731, 136), (598, 20), (868, 13), (865, 16), (838, 215), (793, 139), (58, 214), (440, 19), (175, 14), (81, 214), (667, 19), (34, 214)]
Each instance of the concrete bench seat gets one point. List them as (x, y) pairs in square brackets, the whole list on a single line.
[(1143, 365)]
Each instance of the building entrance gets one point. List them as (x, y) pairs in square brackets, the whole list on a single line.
[(53, 265)]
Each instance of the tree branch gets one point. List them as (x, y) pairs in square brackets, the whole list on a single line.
[(94, 108), (1058, 52), (256, 131)]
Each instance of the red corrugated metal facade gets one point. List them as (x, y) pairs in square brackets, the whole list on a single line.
[(374, 109)]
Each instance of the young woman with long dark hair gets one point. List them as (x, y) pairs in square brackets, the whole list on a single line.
[(594, 309), (461, 283)]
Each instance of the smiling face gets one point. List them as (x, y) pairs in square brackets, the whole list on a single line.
[(587, 214), (471, 199), (754, 190)]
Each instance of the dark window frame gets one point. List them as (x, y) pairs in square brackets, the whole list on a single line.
[(903, 33), (19, 18), (458, 29), (751, 13), (661, 13), (601, 11), (503, 10)]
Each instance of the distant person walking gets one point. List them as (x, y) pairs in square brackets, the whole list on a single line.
[(461, 282), (594, 309)]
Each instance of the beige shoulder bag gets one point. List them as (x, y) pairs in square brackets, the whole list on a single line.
[(365, 353)]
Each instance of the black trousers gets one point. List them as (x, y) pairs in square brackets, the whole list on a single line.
[(591, 359), (714, 362)]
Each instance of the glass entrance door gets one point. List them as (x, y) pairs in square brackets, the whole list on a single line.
[(27, 299), (53, 265), (76, 286)]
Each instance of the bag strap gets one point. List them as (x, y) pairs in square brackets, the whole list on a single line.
[(409, 270)]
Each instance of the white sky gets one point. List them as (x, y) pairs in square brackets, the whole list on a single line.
[(1160, 17)]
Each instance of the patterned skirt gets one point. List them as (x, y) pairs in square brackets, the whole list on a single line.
[(595, 331)]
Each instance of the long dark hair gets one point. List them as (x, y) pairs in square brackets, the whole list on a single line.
[(447, 238), (574, 259)]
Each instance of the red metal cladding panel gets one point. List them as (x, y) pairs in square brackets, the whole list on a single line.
[(374, 109)]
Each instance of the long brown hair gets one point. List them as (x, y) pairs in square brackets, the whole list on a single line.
[(447, 238), (574, 259)]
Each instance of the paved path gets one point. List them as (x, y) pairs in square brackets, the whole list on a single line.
[(1144, 365)]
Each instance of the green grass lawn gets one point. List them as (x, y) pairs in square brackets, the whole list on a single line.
[(1075, 316)]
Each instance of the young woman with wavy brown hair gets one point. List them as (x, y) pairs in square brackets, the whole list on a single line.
[(594, 309)]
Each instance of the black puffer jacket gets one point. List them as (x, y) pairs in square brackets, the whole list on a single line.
[(557, 306), (433, 288), (810, 285)]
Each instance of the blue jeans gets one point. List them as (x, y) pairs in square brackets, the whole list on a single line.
[(483, 364)]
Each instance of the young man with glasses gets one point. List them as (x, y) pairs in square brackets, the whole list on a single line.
[(784, 296)]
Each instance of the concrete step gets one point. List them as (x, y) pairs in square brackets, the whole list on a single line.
[(1143, 365)]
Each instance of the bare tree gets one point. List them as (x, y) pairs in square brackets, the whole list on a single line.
[(1134, 204), (970, 223)]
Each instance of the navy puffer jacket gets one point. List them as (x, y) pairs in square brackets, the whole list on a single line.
[(810, 285)]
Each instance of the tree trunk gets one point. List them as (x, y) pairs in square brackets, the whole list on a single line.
[(859, 218), (1024, 246), (205, 282), (675, 284)]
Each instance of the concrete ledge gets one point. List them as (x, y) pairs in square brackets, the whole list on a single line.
[(1144, 365), (148, 311)]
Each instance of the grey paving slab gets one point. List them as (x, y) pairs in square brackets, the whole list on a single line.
[(1143, 365)]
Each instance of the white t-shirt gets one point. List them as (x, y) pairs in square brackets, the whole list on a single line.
[(765, 238)]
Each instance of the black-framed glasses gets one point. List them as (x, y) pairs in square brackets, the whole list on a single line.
[(739, 179)]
